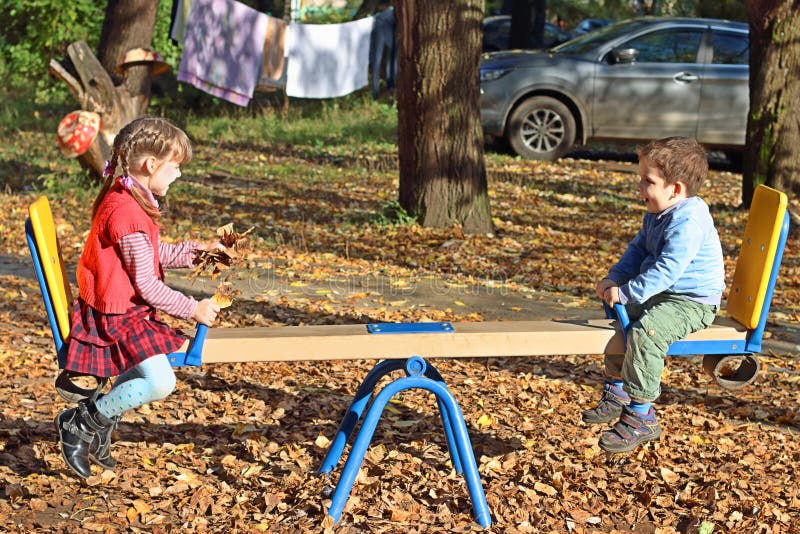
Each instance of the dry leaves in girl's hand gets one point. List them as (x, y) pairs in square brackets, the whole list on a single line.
[(214, 262), (217, 261), (232, 240)]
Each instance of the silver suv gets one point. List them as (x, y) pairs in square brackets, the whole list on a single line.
[(636, 80)]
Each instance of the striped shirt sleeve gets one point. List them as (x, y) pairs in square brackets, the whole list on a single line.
[(177, 255), (137, 254)]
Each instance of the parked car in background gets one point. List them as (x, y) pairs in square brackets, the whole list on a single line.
[(589, 25), (633, 81), (497, 29)]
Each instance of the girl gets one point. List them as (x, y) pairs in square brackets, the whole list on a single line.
[(115, 330)]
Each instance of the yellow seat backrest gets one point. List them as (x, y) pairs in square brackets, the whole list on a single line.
[(757, 256), (44, 231)]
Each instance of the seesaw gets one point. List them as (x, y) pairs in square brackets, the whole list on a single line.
[(732, 340)]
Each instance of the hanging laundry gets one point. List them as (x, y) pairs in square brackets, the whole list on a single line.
[(327, 60), (180, 12), (274, 69), (223, 49)]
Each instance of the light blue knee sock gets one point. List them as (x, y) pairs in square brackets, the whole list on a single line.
[(151, 380)]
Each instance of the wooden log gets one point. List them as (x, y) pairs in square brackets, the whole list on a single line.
[(95, 91), (98, 88), (487, 339)]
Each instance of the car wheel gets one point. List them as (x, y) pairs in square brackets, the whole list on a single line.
[(541, 128)]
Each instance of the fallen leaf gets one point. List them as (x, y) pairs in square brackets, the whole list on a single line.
[(485, 420), (547, 489), (669, 476)]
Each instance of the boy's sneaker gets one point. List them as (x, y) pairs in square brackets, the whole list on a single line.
[(609, 407), (631, 430)]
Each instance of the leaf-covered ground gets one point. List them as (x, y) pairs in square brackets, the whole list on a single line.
[(236, 447)]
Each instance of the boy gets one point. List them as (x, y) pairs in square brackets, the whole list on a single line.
[(670, 279)]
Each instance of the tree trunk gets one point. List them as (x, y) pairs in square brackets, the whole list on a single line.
[(440, 140), (92, 87), (128, 24), (95, 83), (537, 24), (519, 35), (527, 24), (773, 124)]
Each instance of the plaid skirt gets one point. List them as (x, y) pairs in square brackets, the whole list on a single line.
[(106, 345)]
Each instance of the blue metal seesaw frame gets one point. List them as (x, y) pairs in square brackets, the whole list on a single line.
[(420, 375)]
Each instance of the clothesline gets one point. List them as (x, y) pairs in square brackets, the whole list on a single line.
[(229, 49)]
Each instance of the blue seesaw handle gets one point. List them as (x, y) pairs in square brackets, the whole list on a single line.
[(194, 356), (620, 314)]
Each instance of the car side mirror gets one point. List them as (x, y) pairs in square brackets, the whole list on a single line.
[(624, 55)]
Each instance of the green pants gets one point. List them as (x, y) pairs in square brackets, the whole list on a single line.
[(661, 320)]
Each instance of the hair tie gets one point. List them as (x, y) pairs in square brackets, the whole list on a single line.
[(109, 170), (126, 182)]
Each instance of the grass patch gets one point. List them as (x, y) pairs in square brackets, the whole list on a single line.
[(29, 157), (76, 185), (393, 214), (355, 122)]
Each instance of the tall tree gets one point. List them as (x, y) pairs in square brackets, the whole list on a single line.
[(773, 124), (128, 24), (440, 140), (527, 24)]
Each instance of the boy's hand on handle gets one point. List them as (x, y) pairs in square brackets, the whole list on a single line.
[(206, 312), (611, 295), (602, 286)]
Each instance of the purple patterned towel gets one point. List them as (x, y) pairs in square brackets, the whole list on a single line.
[(223, 49)]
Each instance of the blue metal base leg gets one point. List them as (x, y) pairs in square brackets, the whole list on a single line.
[(354, 412), (359, 404), (453, 419)]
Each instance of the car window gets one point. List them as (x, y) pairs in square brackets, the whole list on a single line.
[(590, 41), (730, 49), (668, 46)]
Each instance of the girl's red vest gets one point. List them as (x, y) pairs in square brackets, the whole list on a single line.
[(103, 282)]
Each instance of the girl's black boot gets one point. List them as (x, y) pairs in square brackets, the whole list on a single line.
[(77, 427), (100, 449)]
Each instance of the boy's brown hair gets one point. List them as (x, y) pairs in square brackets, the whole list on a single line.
[(680, 159)]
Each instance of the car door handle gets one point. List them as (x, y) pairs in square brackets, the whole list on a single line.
[(685, 77)]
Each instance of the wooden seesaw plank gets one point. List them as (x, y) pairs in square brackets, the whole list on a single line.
[(480, 339)]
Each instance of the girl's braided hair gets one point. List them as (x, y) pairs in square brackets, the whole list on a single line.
[(138, 140)]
